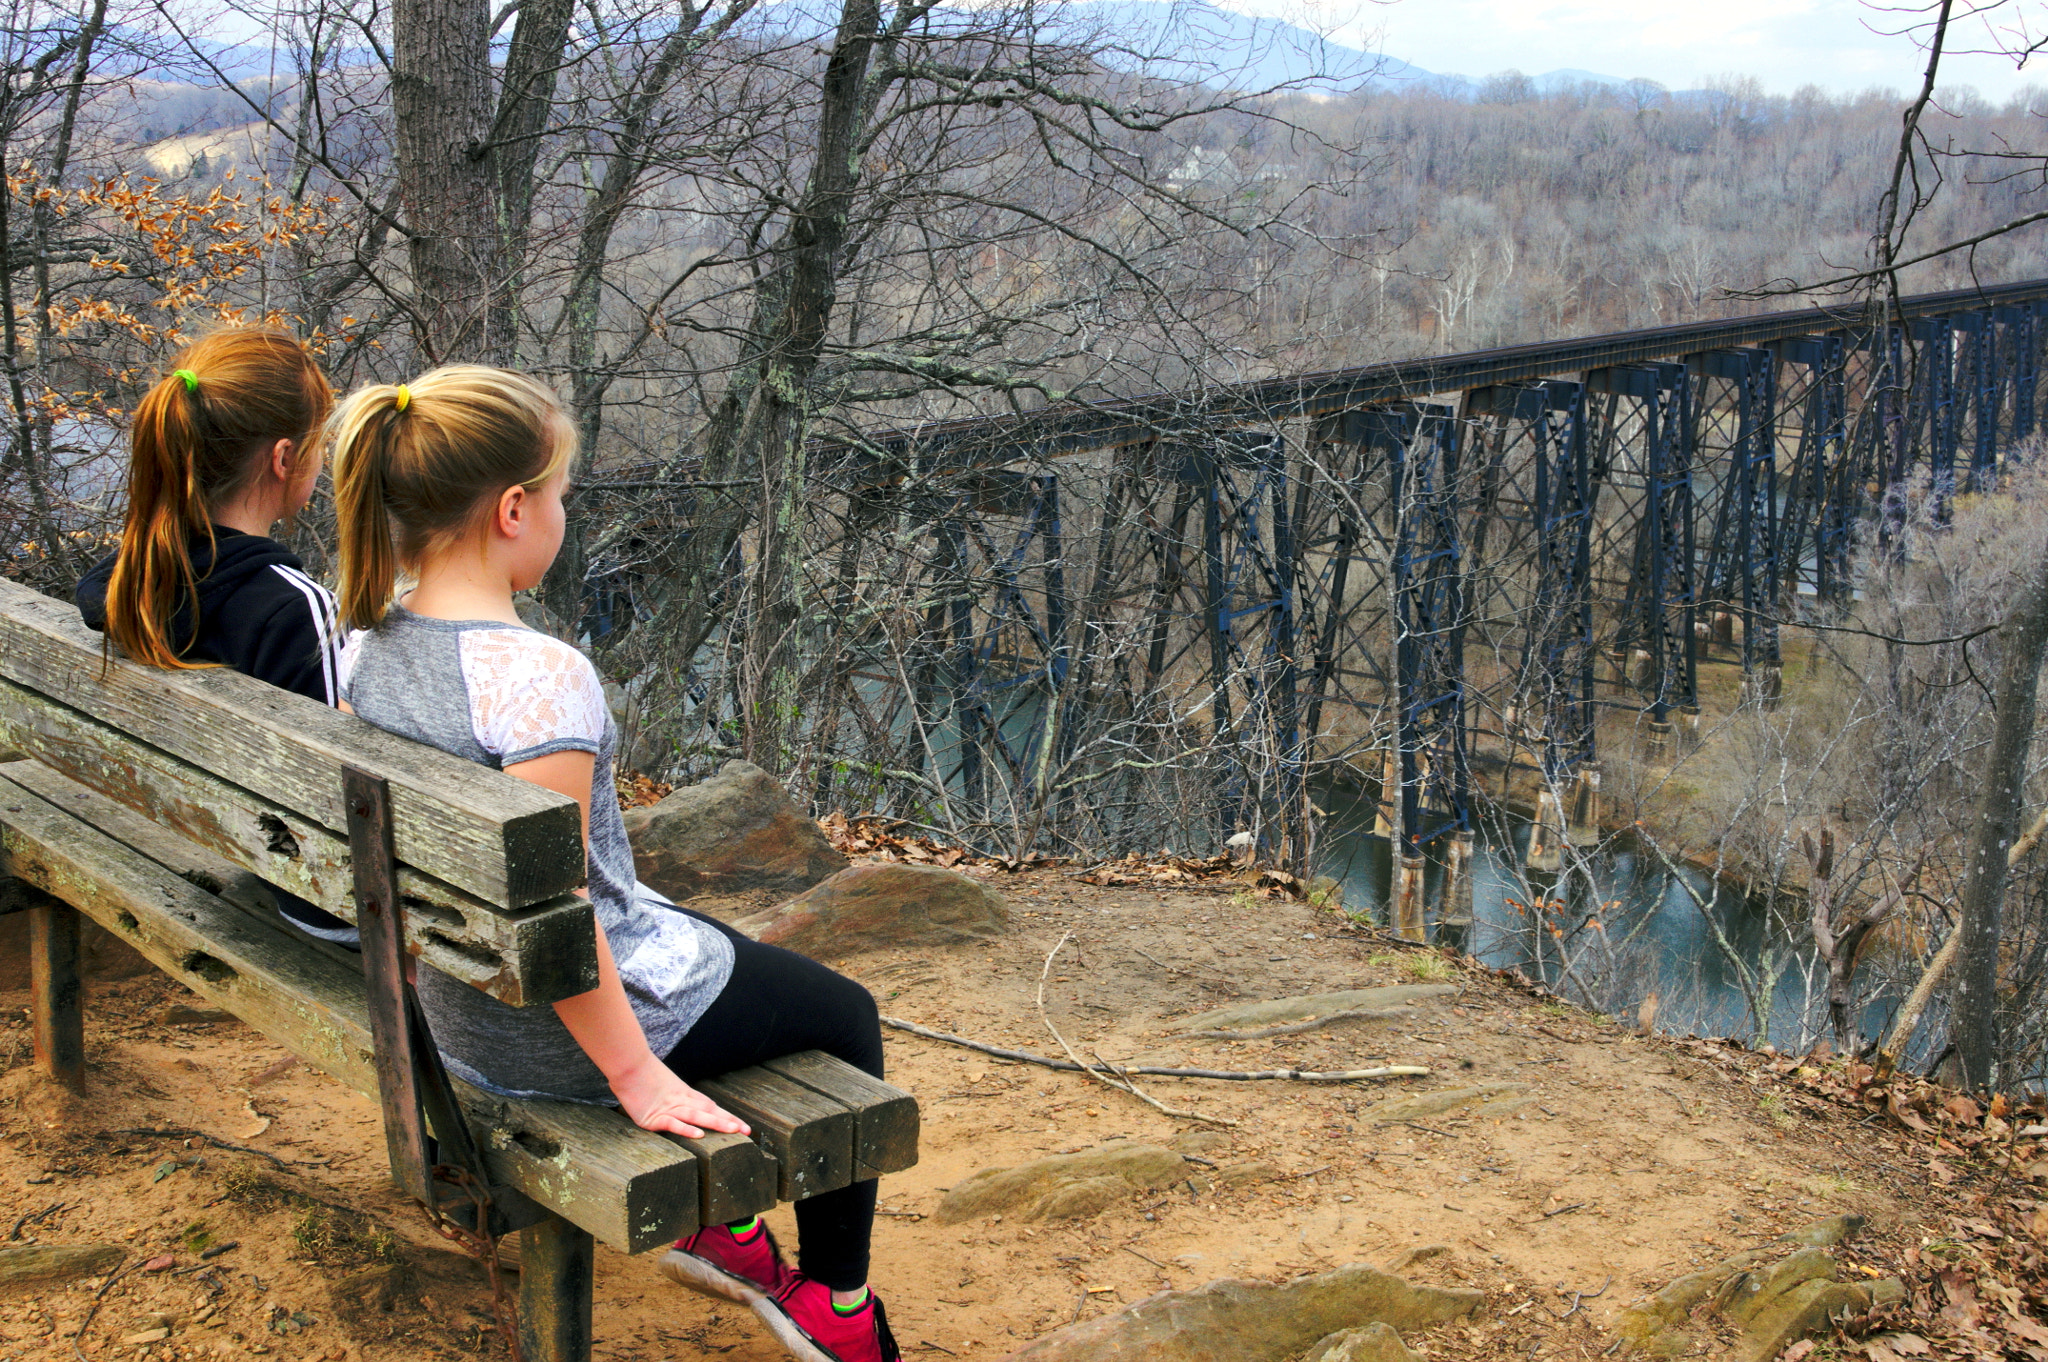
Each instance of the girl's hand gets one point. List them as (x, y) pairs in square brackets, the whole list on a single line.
[(657, 1100)]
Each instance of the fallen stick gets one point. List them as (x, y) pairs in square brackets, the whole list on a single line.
[(1153, 1071), (1296, 1028)]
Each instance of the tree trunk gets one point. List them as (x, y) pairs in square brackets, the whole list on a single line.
[(531, 63), (761, 425), (441, 116), (2023, 639)]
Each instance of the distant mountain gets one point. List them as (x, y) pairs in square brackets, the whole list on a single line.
[(1191, 40)]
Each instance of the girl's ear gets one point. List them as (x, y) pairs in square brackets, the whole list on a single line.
[(284, 460), (510, 519)]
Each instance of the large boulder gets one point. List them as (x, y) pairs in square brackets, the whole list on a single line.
[(1241, 1321), (736, 832), (866, 906)]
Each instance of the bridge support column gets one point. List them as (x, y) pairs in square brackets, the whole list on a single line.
[(1387, 812), (1765, 684), (1454, 917), (1582, 811), (1547, 833), (1408, 906)]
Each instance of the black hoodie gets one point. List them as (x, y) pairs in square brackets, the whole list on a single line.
[(260, 614)]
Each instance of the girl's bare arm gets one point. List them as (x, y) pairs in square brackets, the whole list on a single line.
[(602, 1021)]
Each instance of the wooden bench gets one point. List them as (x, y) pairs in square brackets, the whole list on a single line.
[(159, 803)]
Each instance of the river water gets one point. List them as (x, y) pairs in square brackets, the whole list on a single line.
[(1659, 934)]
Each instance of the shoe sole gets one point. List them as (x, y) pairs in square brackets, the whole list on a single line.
[(707, 1278), (790, 1334)]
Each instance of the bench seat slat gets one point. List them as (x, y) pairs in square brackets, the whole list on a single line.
[(587, 1164), (538, 955), (737, 1178), (811, 1137), (507, 841), (885, 1119)]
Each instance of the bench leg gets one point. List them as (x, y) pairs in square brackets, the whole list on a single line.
[(56, 999), (555, 1269)]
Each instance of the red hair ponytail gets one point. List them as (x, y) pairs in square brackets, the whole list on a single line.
[(194, 443)]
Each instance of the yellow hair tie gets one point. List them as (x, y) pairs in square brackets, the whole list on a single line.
[(191, 379), (404, 397)]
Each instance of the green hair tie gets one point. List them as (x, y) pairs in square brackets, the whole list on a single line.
[(191, 379)]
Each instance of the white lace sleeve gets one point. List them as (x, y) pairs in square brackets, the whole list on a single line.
[(345, 661), (530, 695)]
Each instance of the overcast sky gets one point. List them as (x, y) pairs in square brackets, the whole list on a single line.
[(1836, 44)]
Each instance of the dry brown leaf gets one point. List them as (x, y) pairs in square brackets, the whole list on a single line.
[(1961, 1311)]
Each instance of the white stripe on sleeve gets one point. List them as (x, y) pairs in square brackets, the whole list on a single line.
[(321, 606)]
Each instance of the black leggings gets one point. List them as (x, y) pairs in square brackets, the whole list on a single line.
[(776, 1003)]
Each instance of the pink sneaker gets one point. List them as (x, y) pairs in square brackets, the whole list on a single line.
[(719, 1263), (802, 1318)]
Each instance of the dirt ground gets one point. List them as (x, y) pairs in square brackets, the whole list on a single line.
[(1635, 1160)]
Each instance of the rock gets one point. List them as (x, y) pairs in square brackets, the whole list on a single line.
[(737, 831), (882, 905), (1079, 1199), (1653, 1314), (146, 1336), (1749, 1294), (1886, 1291), (1245, 1015), (1241, 1321), (182, 1014), (56, 1262), (1205, 1142), (1808, 1308), (1484, 1099), (1064, 1186), (1836, 1229), (1374, 1343), (1409, 1257), (1249, 1174)]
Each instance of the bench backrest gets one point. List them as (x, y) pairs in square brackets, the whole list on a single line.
[(254, 775)]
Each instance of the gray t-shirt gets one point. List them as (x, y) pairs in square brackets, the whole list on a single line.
[(499, 695)]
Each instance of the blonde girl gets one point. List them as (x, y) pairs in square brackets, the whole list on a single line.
[(455, 481)]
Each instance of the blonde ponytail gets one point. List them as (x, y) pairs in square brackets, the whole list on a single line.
[(416, 464)]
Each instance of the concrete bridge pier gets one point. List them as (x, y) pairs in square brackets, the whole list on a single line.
[(1582, 807), (1547, 835), (1408, 902), (1454, 916)]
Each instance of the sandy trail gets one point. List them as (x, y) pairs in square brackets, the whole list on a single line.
[(1632, 1162)]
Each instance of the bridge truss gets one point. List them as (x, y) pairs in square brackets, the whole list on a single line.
[(1155, 621)]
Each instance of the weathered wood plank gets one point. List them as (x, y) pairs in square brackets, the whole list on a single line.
[(810, 1136), (507, 841), (885, 1118), (536, 955), (738, 1179), (557, 1273), (56, 991), (587, 1164)]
